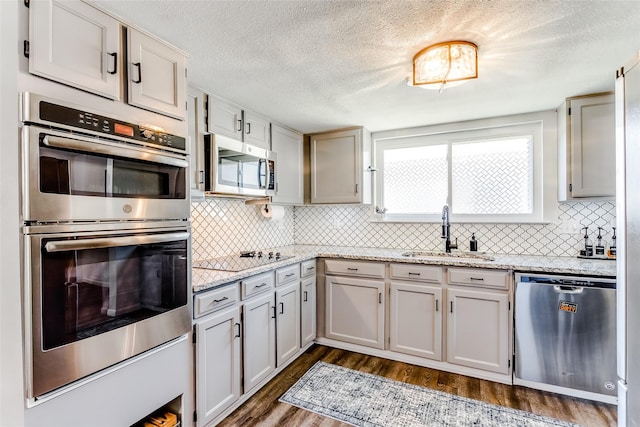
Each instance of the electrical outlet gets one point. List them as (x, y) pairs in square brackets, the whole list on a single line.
[(569, 227), (337, 223)]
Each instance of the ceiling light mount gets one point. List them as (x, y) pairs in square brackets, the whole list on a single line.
[(443, 63)]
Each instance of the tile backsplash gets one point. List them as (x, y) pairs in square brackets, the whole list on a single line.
[(223, 226)]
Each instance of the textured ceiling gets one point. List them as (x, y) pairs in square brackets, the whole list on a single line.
[(316, 65)]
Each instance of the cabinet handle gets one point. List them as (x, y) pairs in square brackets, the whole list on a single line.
[(436, 305), (274, 312), (305, 296), (289, 275), (413, 274), (248, 128), (237, 335), (352, 269), (220, 300), (310, 268), (239, 125), (137, 64), (477, 278), (379, 297), (260, 285), (452, 306), (281, 308), (201, 173), (356, 188), (115, 62)]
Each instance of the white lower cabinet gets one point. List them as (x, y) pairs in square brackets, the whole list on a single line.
[(259, 339), (415, 324), (217, 363), (355, 310), (308, 311), (478, 329), (287, 321)]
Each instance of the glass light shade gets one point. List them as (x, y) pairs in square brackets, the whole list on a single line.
[(444, 63)]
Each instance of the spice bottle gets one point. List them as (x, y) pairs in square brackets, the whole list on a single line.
[(473, 243)]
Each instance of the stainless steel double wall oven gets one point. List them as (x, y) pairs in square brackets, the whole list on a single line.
[(105, 211)]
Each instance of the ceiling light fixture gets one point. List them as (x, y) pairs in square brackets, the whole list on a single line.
[(445, 64)]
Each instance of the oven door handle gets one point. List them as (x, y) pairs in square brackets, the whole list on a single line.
[(89, 146), (112, 242)]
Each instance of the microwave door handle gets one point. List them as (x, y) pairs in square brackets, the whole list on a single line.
[(262, 173), (112, 242), (100, 148)]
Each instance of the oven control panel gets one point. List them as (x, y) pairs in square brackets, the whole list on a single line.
[(72, 117)]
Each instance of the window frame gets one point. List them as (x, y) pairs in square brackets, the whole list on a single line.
[(540, 126)]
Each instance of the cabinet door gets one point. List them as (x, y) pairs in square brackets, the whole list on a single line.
[(477, 329), (308, 309), (225, 118), (257, 130), (196, 117), (287, 322), (336, 167), (416, 320), (287, 145), (89, 62), (217, 363), (157, 75), (259, 354), (355, 310), (593, 147)]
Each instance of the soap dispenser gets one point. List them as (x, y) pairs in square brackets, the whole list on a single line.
[(611, 253), (599, 244), (473, 243), (588, 246)]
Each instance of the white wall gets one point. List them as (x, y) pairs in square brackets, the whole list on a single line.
[(11, 381)]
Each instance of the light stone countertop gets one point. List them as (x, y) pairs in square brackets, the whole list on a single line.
[(203, 279)]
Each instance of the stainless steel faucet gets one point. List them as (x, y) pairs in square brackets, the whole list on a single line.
[(446, 230)]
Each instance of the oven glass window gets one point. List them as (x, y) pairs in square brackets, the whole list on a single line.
[(87, 292), (76, 173)]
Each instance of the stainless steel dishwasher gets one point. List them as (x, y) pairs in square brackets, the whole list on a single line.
[(565, 335)]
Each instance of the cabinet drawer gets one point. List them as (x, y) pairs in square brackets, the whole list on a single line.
[(354, 268), (420, 273), (475, 277), (287, 274), (256, 284), (308, 268), (209, 302)]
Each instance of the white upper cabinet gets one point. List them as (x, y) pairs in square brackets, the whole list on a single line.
[(586, 141), (340, 167), (229, 119), (157, 75), (75, 44), (287, 145), (257, 130), (225, 118)]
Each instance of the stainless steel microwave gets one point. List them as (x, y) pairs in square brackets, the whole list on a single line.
[(236, 168)]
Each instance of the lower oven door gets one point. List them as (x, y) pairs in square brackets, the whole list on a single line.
[(99, 297)]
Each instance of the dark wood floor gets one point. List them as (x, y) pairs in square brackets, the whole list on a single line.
[(264, 409)]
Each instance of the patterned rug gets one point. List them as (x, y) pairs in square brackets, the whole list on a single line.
[(368, 400)]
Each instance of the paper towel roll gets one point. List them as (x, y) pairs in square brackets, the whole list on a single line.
[(273, 213)]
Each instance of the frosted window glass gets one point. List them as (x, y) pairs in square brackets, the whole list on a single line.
[(492, 177), (415, 179)]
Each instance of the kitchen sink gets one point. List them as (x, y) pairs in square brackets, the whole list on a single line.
[(447, 255)]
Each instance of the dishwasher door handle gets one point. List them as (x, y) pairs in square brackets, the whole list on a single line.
[(568, 289)]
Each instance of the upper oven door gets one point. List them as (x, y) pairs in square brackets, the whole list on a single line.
[(73, 177)]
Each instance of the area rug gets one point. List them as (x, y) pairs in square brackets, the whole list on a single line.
[(368, 400)]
